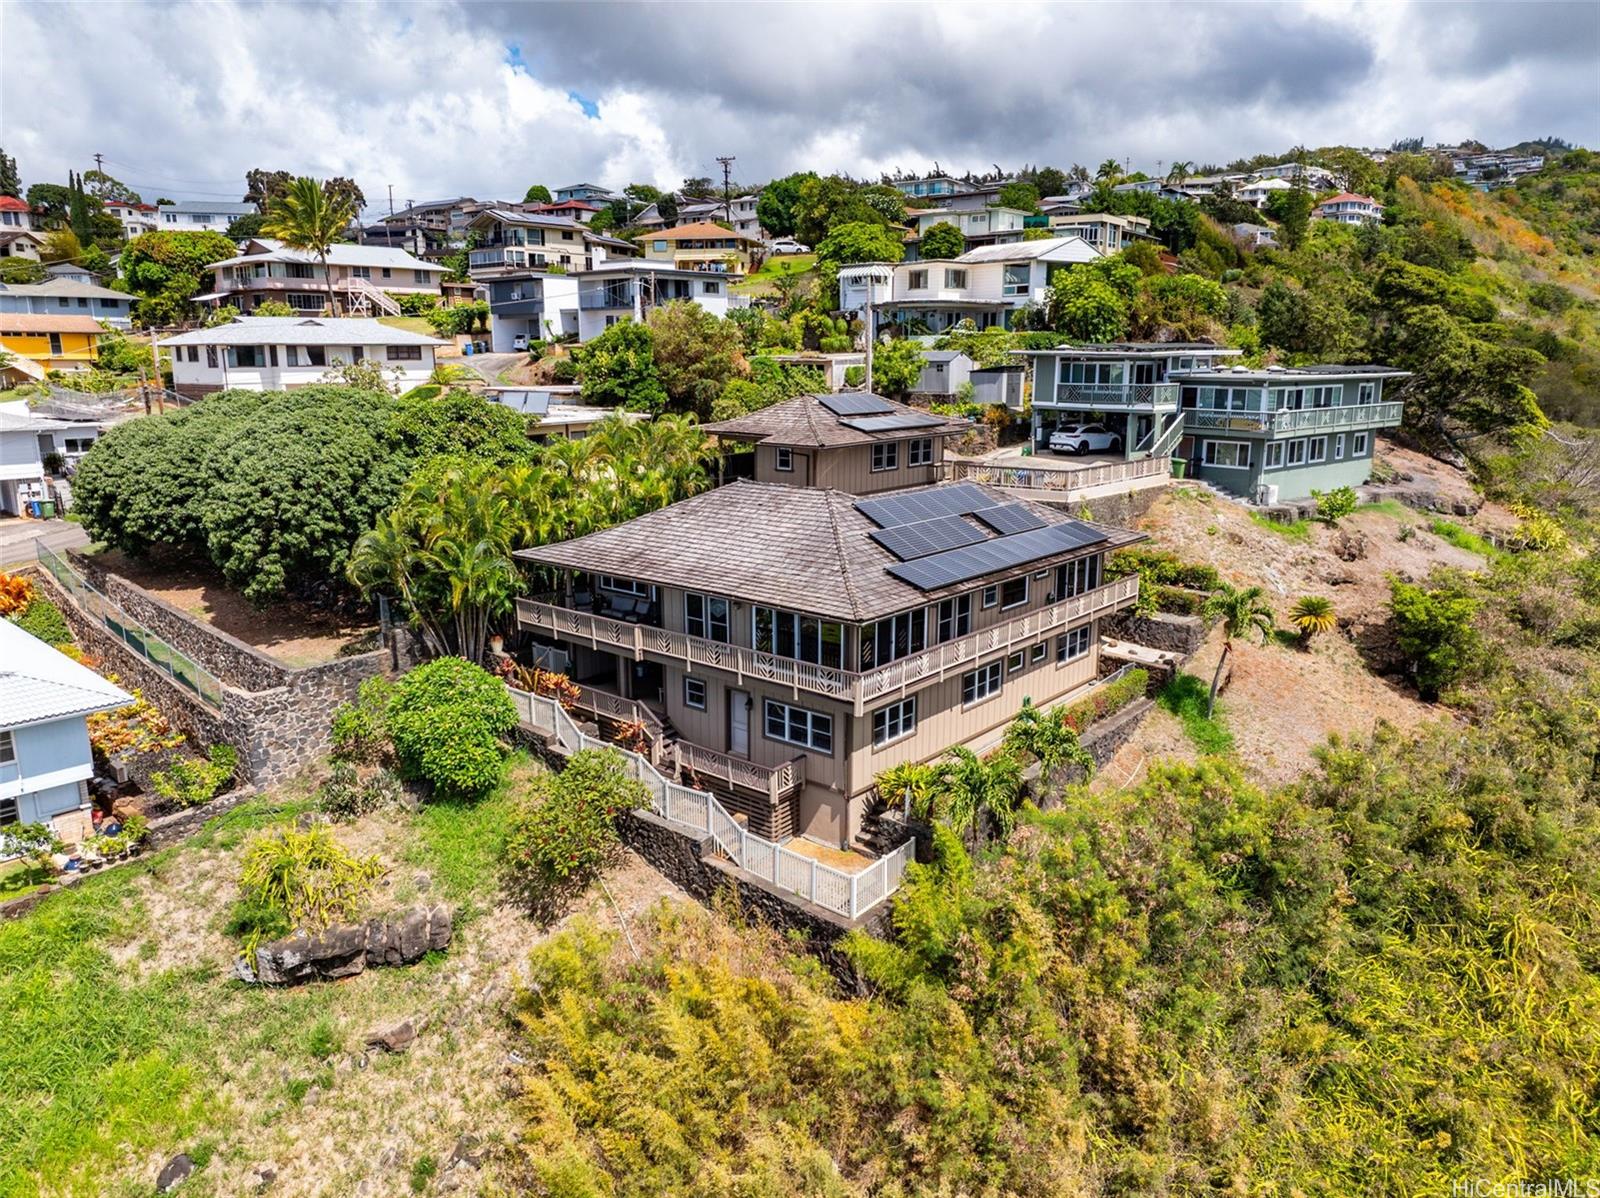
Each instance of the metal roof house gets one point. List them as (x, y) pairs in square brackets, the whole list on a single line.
[(45, 760), (799, 640)]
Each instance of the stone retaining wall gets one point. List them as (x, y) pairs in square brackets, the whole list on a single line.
[(1175, 634)]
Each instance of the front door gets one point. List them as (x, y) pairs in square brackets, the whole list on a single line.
[(738, 723)]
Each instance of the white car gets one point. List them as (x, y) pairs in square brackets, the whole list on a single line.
[(1084, 438), (788, 245)]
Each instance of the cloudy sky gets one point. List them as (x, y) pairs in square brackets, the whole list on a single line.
[(483, 98)]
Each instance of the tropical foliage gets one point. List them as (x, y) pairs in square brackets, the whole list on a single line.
[(446, 719), (566, 828)]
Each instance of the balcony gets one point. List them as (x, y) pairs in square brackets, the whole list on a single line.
[(1128, 397), (1368, 415), (643, 642), (601, 299)]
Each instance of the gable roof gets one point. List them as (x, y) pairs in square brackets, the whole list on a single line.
[(1055, 249), (7, 236), (800, 548), (56, 288), (338, 255), (300, 330), (13, 204), (700, 229), (806, 421), (38, 683), (47, 322)]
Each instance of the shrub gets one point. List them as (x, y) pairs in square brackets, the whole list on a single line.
[(1108, 700), (360, 729), (346, 795), (293, 879), (1435, 631), (446, 719), (1162, 568), (16, 592), (569, 829), (45, 621), (1335, 505), (190, 781), (1312, 614), (854, 376), (416, 304)]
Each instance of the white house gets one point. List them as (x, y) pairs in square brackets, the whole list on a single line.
[(280, 353), (21, 243), (136, 218), (1106, 231), (363, 276), (26, 439), (511, 242), (194, 216), (986, 285), (1255, 236), (1258, 193), (981, 226), (45, 760), (1347, 208), (1317, 178)]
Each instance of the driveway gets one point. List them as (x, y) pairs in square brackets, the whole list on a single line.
[(490, 365), (18, 538)]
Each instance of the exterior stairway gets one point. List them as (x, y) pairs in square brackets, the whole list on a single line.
[(873, 840), (366, 297)]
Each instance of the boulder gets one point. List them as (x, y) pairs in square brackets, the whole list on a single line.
[(393, 1039), (346, 949), (175, 1173)]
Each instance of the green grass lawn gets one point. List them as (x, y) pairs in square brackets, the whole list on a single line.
[(1185, 697), (778, 266), (1463, 538), (1297, 530), (411, 324)]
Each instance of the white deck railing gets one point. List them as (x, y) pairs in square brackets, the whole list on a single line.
[(1065, 481), (847, 894)]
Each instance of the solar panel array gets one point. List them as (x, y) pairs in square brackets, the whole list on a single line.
[(1007, 518), (855, 405), (959, 500), (922, 537), (892, 423), (1002, 553), (531, 402)]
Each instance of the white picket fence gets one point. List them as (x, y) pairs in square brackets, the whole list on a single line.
[(847, 894)]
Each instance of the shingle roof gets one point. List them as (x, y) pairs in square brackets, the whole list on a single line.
[(55, 288), (38, 683), (301, 330), (338, 255), (800, 548), (700, 229), (46, 322), (805, 421)]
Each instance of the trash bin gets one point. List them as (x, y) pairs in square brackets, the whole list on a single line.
[(466, 350), (1179, 466), (47, 509), (1027, 451), (34, 508)]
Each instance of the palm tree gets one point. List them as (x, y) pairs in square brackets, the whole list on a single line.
[(1108, 170), (968, 784), (1242, 612), (305, 217), (1079, 172), (1047, 737), (1178, 172), (1312, 614)]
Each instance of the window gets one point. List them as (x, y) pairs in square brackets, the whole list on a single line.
[(1013, 592), (954, 618), (272, 355), (387, 273), (361, 272), (421, 276), (1338, 447), (1036, 654), (917, 280), (803, 638), (981, 683), (82, 302), (1366, 393), (919, 452), (1274, 455), (626, 586), (798, 726), (711, 288), (1297, 453), (316, 355), (1014, 662), (193, 353), (298, 270), (1074, 578), (1015, 280), (63, 302), (55, 343), (1231, 455), (885, 456), (694, 693), (783, 459), (1074, 644), (1358, 445), (8, 748), (894, 721), (211, 356), (659, 246), (405, 353), (1319, 449), (889, 640), (991, 595), (79, 444), (706, 616), (246, 355), (357, 353), (955, 278)]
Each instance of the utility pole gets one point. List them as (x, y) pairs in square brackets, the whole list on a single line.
[(727, 194), (391, 199), (98, 158)]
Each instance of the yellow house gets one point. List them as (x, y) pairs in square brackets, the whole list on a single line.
[(700, 246), (51, 342)]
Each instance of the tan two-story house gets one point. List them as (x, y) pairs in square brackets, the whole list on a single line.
[(796, 641), (852, 441)]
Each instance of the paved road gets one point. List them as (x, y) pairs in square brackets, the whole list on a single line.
[(490, 365), (18, 538)]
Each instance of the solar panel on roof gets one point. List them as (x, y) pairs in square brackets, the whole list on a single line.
[(1008, 518), (889, 424), (973, 561), (922, 537), (531, 402), (855, 405), (958, 500)]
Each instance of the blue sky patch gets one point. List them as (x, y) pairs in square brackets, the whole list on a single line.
[(514, 58), (590, 108)]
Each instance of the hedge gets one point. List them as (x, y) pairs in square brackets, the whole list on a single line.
[(1107, 700)]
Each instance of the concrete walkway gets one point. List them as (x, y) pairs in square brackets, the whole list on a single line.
[(18, 538)]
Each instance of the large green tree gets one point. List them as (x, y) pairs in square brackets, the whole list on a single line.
[(537, 194), (165, 270), (861, 241), (695, 355), (618, 369), (942, 240), (309, 217), (776, 207)]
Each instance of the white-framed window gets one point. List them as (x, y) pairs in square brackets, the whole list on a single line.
[(1014, 662), (705, 616), (804, 638), (1015, 280), (885, 456), (1036, 654), (1319, 449), (405, 353), (1230, 455), (361, 272), (955, 278), (783, 459), (8, 747), (1074, 578), (1366, 393), (798, 726), (978, 685), (890, 639), (1074, 644), (991, 595), (1274, 455), (1358, 445), (953, 618), (1297, 452), (1013, 592), (895, 721), (626, 586), (712, 288), (694, 693), (916, 280), (1338, 447), (919, 452)]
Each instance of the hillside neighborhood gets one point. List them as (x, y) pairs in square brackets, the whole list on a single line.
[(1049, 679)]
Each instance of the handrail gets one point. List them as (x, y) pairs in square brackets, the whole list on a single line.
[(379, 297), (835, 682), (1117, 395), (1161, 438), (1294, 419), (1067, 481), (850, 895)]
